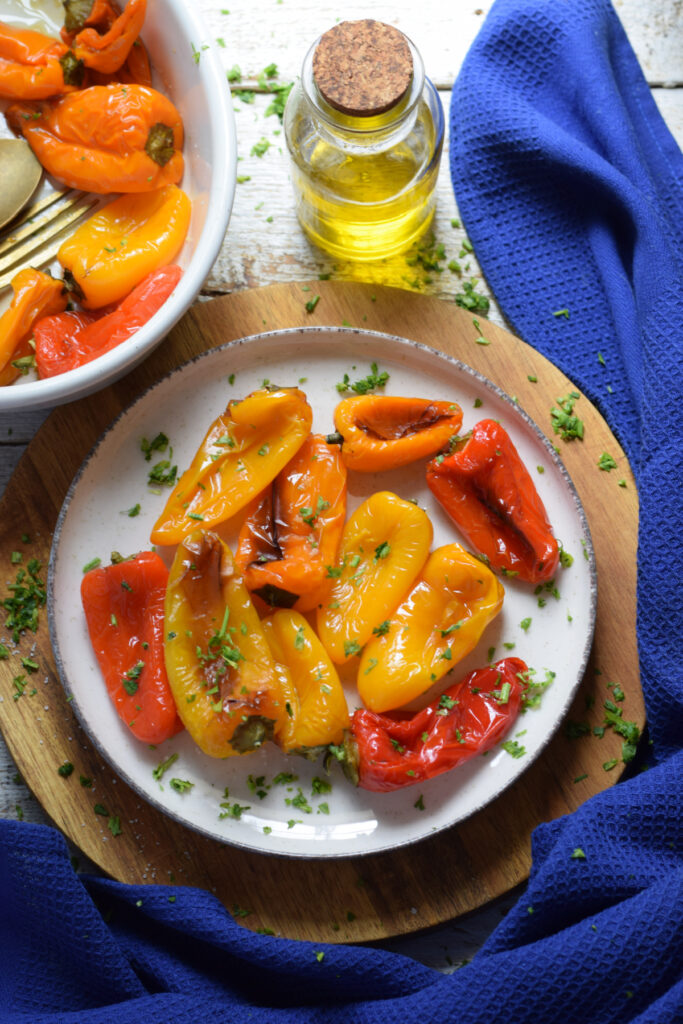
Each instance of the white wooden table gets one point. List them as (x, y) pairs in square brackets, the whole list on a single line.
[(264, 243)]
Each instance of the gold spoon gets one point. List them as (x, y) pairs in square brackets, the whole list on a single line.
[(20, 173)]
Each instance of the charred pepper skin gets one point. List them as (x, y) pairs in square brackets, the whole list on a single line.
[(220, 669), (488, 493), (390, 752), (383, 432), (292, 532)]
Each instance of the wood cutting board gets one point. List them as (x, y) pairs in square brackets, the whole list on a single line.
[(354, 899)]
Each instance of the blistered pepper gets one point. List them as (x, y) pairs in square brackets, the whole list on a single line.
[(383, 549), (80, 13), (102, 15), (124, 610), (490, 496), (291, 535), (72, 339), (107, 138), (116, 248), (379, 432), (219, 665), (388, 752), (434, 627), (243, 451), (315, 705), (107, 51), (35, 295), (31, 65)]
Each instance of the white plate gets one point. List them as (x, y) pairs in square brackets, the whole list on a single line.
[(113, 478), (172, 33)]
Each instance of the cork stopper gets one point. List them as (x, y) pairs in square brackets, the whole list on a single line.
[(362, 68)]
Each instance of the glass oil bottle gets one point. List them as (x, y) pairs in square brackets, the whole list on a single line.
[(364, 129)]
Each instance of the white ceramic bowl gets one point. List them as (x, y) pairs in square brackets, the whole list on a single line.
[(173, 34)]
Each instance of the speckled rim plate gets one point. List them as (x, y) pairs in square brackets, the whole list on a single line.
[(290, 819)]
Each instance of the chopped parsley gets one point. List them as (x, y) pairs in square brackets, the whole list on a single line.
[(563, 420), (65, 770), (382, 551), (181, 785), (28, 595), (312, 303), (160, 770), (351, 647), (383, 628), (513, 748), (606, 462), (131, 678), (157, 444), (375, 379)]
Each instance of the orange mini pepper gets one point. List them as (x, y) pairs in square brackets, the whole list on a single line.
[(242, 452), (31, 65), (108, 51), (218, 661), (435, 626), (290, 538), (35, 295), (381, 432), (122, 243), (107, 138)]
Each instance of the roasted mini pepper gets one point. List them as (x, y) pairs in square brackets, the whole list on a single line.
[(315, 705), (490, 496), (80, 13), (107, 138), (242, 453), (72, 339), (291, 536), (107, 51), (124, 610), (434, 627), (380, 432), (383, 549), (35, 295), (31, 65), (388, 752), (219, 665), (116, 248)]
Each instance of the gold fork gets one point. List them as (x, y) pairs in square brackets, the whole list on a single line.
[(33, 240)]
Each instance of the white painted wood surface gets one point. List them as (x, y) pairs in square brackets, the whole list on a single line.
[(264, 243)]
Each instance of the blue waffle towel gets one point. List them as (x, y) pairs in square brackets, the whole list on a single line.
[(570, 188)]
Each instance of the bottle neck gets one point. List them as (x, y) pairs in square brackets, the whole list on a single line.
[(374, 130)]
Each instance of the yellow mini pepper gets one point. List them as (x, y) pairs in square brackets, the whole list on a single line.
[(219, 666), (383, 548), (243, 451), (35, 295), (435, 626), (116, 248), (315, 705)]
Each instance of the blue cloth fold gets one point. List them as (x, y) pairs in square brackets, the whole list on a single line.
[(569, 185)]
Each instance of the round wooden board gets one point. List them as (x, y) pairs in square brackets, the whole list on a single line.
[(354, 899)]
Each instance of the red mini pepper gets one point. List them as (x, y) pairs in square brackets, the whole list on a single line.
[(487, 491), (124, 609), (69, 340), (388, 752)]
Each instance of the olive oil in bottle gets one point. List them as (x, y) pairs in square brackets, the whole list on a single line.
[(364, 129)]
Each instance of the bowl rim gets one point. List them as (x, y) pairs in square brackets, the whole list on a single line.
[(93, 376)]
